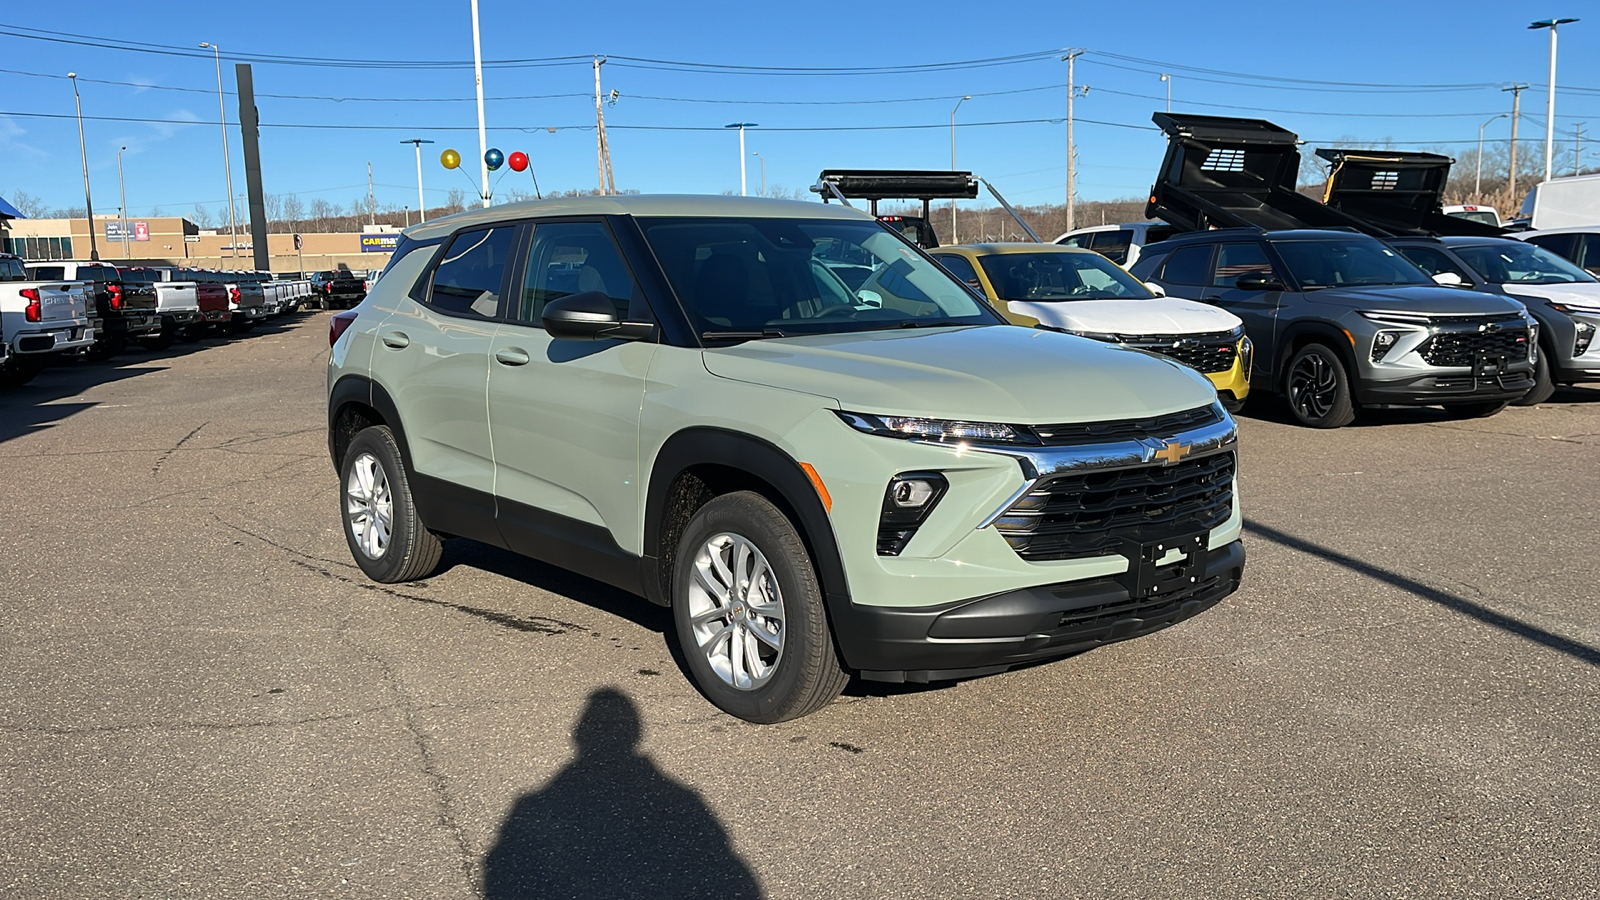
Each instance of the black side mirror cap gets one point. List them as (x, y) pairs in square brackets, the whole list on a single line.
[(1259, 281), (591, 316)]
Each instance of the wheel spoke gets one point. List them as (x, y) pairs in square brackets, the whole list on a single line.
[(718, 593), (736, 656), (758, 574), (712, 644), (752, 654), (760, 632)]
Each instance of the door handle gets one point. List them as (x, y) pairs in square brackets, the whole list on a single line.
[(512, 356), (396, 340)]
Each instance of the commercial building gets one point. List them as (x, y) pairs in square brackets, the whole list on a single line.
[(172, 240)]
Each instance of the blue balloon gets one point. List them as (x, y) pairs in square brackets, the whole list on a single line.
[(494, 158)]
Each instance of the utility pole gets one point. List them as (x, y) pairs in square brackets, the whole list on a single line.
[(1071, 57), (88, 204), (372, 207), (602, 145), (953, 238), (483, 137), (1516, 115)]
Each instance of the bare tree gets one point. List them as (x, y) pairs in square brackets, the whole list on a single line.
[(201, 216), (322, 212), (27, 204), (455, 201), (272, 205)]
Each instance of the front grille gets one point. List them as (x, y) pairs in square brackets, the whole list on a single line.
[(1095, 513), (1205, 353), (1464, 348), (1125, 429), (1155, 606)]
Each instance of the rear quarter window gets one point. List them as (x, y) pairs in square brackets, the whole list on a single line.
[(1188, 265)]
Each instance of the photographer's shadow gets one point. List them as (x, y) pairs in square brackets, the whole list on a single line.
[(611, 824)]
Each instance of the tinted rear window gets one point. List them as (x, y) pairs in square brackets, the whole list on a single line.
[(1189, 265)]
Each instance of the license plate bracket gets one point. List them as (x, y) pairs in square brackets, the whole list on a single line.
[(1149, 576)]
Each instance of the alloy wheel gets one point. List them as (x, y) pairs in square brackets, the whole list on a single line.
[(369, 507), (1313, 386), (736, 611)]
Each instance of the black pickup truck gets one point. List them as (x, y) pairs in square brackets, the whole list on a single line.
[(338, 289)]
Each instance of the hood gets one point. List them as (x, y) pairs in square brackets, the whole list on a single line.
[(1162, 315), (1417, 298), (1578, 293), (997, 373)]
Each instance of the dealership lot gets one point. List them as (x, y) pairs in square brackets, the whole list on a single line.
[(203, 697)]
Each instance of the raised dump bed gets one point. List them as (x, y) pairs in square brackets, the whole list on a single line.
[(1223, 172), (1400, 191)]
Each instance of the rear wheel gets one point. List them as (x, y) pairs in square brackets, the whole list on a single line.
[(1544, 387), (17, 371), (164, 338), (1318, 389), (1481, 410), (750, 615), (386, 537)]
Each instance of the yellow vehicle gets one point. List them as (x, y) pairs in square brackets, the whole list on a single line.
[(1081, 292)]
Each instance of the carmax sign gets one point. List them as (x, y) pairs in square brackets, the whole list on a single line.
[(379, 243)]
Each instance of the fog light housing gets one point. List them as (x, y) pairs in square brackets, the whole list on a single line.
[(1247, 353), (1585, 337), (1383, 342), (907, 503)]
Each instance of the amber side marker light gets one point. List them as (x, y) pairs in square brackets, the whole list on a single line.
[(822, 489)]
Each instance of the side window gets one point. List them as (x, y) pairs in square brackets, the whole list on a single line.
[(1559, 244), (48, 273), (1077, 240), (573, 258), (960, 268), (1433, 261), (1234, 260), (467, 279), (1113, 245), (1588, 255), (1188, 265), (11, 270)]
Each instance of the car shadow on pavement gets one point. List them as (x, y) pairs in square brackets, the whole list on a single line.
[(613, 825), (1455, 603), (33, 407)]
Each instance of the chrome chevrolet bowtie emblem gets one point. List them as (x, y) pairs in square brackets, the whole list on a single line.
[(1172, 451)]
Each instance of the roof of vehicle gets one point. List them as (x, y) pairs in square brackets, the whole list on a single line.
[(1288, 234), (1578, 229), (997, 248), (647, 205), (1121, 226)]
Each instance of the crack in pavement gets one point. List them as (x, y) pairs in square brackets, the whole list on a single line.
[(156, 469), (186, 726)]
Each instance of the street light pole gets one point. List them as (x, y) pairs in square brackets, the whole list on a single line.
[(1550, 93), (1477, 182), (1168, 79), (88, 205), (122, 191), (422, 205), (763, 161), (483, 137), (741, 126), (1070, 58), (227, 164), (964, 99)]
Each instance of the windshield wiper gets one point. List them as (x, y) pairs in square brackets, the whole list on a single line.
[(936, 323), (741, 335)]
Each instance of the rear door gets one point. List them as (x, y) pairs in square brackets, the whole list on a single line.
[(564, 415), (432, 354)]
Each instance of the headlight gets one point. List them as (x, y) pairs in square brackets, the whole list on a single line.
[(1247, 352), (1390, 317), (944, 430), (1103, 336), (1383, 342), (1574, 309)]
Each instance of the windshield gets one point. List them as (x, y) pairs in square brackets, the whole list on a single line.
[(1484, 216), (1514, 262), (1347, 261), (1048, 277), (745, 278)]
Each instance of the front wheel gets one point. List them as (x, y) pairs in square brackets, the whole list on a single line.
[(749, 613), (1318, 388), (1544, 387), (381, 525)]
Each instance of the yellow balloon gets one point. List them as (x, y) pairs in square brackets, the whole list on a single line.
[(450, 159)]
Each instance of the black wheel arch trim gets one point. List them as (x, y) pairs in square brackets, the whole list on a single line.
[(1328, 334), (705, 445), (360, 389)]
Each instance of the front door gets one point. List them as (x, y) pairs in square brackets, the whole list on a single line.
[(564, 415), (1258, 309)]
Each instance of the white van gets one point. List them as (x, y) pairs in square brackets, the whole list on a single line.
[(1563, 203)]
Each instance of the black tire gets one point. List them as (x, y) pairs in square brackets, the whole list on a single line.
[(411, 551), (105, 348), (163, 339), (17, 371), (1544, 387), (1231, 403), (1318, 388), (804, 674), (1480, 410)]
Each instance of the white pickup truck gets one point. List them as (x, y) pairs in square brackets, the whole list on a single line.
[(176, 301), (38, 318)]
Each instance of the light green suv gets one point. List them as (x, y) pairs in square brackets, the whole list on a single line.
[(682, 397)]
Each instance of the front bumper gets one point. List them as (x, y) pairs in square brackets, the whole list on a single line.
[(1430, 390), (987, 635)]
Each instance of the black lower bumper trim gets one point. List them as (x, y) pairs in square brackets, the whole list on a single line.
[(971, 638), (1433, 390)]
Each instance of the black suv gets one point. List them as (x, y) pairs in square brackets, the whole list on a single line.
[(1341, 320)]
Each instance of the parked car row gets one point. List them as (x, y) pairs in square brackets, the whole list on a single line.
[(97, 309)]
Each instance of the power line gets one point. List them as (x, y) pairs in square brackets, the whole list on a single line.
[(1396, 89), (1318, 81)]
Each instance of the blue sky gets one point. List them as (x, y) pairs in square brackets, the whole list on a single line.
[(1428, 74)]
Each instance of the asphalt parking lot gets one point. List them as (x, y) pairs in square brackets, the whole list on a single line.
[(202, 696)]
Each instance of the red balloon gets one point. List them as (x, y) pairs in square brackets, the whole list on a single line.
[(518, 161)]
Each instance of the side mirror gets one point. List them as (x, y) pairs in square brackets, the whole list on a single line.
[(1258, 281), (591, 316), (1448, 279), (1156, 289)]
